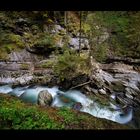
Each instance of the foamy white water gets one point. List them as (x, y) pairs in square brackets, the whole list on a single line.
[(30, 94)]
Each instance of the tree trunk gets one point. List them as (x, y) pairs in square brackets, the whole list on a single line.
[(65, 18), (81, 85), (80, 31)]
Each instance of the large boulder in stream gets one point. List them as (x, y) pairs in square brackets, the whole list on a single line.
[(44, 98)]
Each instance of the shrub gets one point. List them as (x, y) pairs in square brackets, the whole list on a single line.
[(45, 40), (70, 64), (6, 49), (100, 53), (17, 39), (47, 64)]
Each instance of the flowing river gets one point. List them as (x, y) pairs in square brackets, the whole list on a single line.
[(30, 94)]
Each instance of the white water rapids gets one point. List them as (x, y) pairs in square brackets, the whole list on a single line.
[(30, 94)]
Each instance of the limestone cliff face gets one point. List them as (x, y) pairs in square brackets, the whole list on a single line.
[(21, 68)]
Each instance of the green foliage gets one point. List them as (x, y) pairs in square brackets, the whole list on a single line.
[(48, 64), (9, 42), (45, 40), (70, 64), (117, 21), (35, 29), (17, 116), (86, 28), (3, 54), (133, 34), (24, 66), (15, 38), (100, 52), (123, 29), (68, 115)]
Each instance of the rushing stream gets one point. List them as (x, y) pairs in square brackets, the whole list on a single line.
[(30, 94)]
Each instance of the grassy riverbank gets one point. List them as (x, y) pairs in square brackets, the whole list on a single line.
[(14, 114)]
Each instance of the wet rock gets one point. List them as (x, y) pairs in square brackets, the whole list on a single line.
[(131, 91), (121, 100), (98, 83), (125, 101), (93, 85), (65, 99), (87, 88), (137, 99), (77, 106), (79, 80), (94, 91), (74, 43), (136, 68), (53, 81), (67, 84), (126, 60), (102, 91), (117, 86), (136, 117), (129, 96), (44, 98)]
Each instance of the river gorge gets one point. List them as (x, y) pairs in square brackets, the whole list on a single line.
[(51, 64)]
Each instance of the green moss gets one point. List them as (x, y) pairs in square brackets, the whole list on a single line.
[(17, 39), (48, 64), (9, 43), (100, 52), (3, 54), (45, 40), (24, 66), (6, 49), (67, 114), (86, 28)]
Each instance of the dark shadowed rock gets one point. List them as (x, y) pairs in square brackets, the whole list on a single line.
[(67, 84)]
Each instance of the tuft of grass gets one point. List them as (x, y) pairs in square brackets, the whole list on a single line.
[(24, 66), (70, 65)]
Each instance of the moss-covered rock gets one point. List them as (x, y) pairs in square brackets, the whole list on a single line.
[(24, 66)]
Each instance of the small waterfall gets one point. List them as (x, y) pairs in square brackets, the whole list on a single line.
[(5, 89), (123, 119)]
